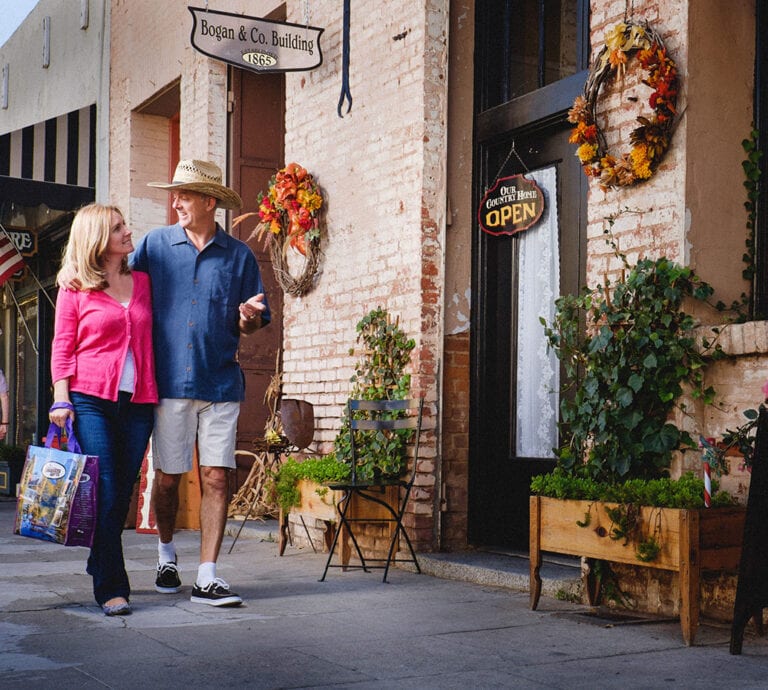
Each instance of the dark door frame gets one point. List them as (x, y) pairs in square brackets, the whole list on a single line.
[(498, 491)]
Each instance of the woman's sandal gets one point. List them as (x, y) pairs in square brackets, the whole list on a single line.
[(122, 608)]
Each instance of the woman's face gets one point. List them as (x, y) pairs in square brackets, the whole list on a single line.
[(120, 243)]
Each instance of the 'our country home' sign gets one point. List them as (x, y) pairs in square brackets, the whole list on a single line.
[(512, 205)]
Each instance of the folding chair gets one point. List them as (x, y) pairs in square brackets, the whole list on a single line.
[(298, 421), (367, 490)]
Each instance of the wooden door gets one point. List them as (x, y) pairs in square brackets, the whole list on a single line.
[(257, 131)]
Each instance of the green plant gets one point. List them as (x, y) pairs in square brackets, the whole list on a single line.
[(625, 521), (742, 438), (685, 492), (628, 352), (564, 595), (606, 584), (628, 497), (648, 550), (744, 307), (379, 375), (285, 481)]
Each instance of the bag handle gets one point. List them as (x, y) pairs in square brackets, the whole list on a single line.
[(73, 446)]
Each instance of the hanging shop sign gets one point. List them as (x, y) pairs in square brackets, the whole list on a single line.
[(24, 240), (255, 44), (512, 205)]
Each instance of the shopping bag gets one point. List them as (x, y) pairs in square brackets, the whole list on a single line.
[(58, 492)]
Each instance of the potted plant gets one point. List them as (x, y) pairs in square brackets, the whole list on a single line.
[(385, 352), (629, 351)]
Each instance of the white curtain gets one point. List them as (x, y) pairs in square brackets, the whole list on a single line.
[(538, 370)]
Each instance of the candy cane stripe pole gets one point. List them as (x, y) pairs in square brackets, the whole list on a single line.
[(707, 486)]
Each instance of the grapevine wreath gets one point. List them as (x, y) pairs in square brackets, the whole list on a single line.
[(289, 217), (650, 140)]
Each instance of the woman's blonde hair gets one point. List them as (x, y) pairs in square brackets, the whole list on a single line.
[(83, 258)]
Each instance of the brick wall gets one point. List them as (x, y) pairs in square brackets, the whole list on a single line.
[(382, 167), (651, 215), (455, 442)]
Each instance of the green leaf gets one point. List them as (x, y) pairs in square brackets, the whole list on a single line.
[(650, 362), (624, 397)]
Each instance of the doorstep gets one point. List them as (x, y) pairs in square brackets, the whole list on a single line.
[(561, 579)]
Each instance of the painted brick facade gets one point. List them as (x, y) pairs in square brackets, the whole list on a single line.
[(385, 215)]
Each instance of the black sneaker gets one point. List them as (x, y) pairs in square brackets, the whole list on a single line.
[(167, 580), (215, 593)]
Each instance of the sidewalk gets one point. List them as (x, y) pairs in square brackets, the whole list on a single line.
[(351, 631)]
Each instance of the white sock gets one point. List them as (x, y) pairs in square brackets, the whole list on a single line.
[(206, 573), (166, 553)]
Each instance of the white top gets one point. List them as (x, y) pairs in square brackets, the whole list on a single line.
[(127, 377)]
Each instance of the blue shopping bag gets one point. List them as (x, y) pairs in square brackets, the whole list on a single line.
[(58, 492)]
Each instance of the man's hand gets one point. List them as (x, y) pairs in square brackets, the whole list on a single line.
[(67, 279), (250, 313)]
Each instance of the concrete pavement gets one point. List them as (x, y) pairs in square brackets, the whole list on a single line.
[(351, 631)]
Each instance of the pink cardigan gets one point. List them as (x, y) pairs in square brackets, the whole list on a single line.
[(91, 339)]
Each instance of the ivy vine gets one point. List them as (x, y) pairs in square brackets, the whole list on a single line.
[(629, 350), (385, 353), (743, 308)]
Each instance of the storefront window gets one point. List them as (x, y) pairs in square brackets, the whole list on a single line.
[(25, 402), (527, 44), (36, 216)]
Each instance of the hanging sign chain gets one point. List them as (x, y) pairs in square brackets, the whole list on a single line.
[(512, 150)]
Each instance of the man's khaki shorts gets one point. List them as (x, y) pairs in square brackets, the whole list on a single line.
[(179, 423)]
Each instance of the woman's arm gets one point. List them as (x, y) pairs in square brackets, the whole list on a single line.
[(63, 360)]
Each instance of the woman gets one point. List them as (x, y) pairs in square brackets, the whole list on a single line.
[(104, 378)]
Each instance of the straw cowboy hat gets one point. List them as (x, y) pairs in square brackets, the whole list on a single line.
[(202, 177)]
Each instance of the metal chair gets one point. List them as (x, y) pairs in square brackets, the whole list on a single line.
[(380, 419), (298, 422)]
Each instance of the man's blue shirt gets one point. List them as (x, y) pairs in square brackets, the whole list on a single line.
[(195, 305)]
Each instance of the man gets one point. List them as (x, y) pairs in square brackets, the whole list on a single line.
[(206, 291)]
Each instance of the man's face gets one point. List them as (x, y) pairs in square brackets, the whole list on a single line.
[(194, 210)]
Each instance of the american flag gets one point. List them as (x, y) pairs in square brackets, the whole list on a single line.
[(10, 259)]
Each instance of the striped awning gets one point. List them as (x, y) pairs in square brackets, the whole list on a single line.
[(61, 150)]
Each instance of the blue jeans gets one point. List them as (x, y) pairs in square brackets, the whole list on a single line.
[(118, 432)]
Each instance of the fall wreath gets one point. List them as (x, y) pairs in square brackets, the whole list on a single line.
[(650, 140), (289, 220)]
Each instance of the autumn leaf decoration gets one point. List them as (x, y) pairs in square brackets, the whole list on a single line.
[(290, 207), (650, 140), (289, 220)]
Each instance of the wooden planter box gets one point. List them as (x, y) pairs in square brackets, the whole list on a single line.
[(692, 541), (322, 508)]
